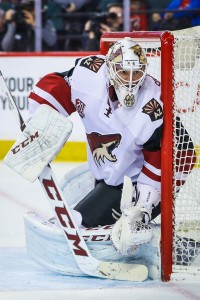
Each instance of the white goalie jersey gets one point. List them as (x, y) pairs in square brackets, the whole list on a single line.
[(120, 141)]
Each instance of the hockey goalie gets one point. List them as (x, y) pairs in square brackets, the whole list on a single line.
[(115, 196)]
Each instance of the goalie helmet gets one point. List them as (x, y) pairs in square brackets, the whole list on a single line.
[(126, 64)]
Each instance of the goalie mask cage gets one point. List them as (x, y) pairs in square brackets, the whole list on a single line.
[(174, 59)]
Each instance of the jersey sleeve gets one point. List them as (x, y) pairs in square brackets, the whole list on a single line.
[(149, 138), (53, 90), (151, 170)]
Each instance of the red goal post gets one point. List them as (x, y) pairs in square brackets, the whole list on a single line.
[(174, 59)]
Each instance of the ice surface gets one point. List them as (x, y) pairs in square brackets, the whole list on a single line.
[(21, 278)]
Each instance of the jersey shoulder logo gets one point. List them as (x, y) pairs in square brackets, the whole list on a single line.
[(93, 63), (80, 106), (153, 109), (102, 146)]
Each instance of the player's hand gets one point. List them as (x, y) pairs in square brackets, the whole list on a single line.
[(148, 198)]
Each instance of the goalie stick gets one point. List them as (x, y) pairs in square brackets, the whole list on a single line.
[(85, 261)]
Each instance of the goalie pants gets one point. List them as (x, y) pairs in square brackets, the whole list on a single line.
[(102, 205)]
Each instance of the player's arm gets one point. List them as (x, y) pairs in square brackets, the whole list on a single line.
[(54, 90), (149, 179), (151, 171)]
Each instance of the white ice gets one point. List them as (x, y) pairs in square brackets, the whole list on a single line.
[(21, 278)]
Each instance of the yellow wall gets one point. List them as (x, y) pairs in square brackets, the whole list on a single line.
[(72, 151)]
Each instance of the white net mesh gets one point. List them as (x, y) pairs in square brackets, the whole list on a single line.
[(186, 152), (186, 210)]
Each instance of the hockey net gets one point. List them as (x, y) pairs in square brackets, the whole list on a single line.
[(174, 60)]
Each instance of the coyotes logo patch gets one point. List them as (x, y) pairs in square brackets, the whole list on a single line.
[(153, 109), (92, 63), (102, 146)]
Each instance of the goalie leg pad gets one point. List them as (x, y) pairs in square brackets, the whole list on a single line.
[(39, 143)]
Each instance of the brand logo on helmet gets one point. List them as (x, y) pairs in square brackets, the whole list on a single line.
[(153, 109), (92, 63), (102, 146), (140, 53)]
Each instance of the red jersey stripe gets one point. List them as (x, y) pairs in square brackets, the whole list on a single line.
[(150, 174), (153, 158)]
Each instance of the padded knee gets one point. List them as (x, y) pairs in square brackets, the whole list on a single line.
[(101, 206)]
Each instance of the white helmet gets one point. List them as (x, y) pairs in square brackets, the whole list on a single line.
[(126, 55)]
